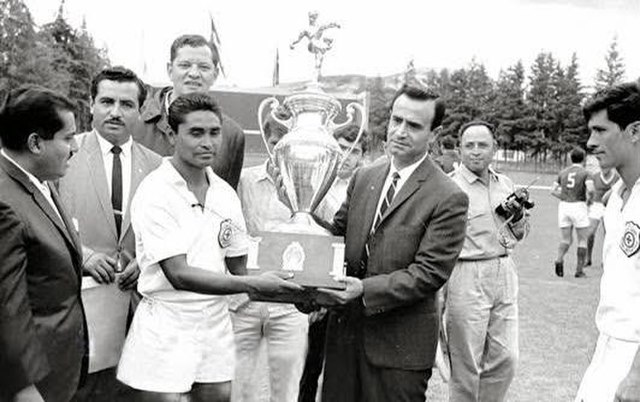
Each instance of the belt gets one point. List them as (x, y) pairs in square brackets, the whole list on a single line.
[(483, 259)]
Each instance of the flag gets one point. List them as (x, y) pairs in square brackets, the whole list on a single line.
[(276, 70), (214, 39)]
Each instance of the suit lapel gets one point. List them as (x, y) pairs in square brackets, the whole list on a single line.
[(412, 184), (95, 166), (42, 202), (373, 196), (139, 169), (69, 226)]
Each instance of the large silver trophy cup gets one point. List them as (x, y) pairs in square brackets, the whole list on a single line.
[(308, 158)]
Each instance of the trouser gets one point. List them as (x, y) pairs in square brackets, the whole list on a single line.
[(349, 376), (285, 334), (314, 361), (481, 317), (611, 362)]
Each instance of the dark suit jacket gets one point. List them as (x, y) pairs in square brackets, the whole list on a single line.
[(412, 254), (42, 324), (156, 134)]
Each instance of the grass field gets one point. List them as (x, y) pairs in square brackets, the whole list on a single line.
[(557, 329)]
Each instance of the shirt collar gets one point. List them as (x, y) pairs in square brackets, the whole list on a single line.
[(174, 177), (42, 186), (105, 146), (406, 171), (472, 177)]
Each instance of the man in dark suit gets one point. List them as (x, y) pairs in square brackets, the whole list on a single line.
[(43, 345), (194, 67), (404, 226)]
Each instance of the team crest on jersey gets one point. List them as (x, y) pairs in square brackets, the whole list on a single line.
[(225, 234), (630, 242)]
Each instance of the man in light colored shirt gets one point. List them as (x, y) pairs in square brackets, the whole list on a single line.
[(103, 176), (328, 207), (191, 247), (481, 312), (613, 119), (193, 67), (43, 337)]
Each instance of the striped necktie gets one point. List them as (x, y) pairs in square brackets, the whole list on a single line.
[(391, 192)]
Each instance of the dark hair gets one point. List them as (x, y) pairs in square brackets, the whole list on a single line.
[(622, 103), (420, 94), (577, 155), (31, 109), (119, 74), (473, 123), (448, 142), (193, 41), (271, 124), (193, 102), (350, 133)]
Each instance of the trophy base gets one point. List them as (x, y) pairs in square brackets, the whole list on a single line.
[(301, 247)]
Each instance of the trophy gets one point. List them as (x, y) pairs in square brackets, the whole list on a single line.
[(308, 158)]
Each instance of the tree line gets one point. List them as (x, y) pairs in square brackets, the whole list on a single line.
[(54, 55), (538, 112)]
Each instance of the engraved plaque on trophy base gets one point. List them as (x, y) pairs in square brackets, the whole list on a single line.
[(314, 259)]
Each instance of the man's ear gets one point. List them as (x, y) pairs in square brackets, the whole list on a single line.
[(169, 65), (634, 131), (34, 144)]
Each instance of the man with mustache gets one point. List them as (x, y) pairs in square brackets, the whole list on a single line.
[(481, 295), (102, 179), (43, 338), (193, 68), (613, 119)]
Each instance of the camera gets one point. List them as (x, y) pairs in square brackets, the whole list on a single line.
[(507, 209)]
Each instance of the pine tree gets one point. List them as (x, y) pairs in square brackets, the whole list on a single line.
[(541, 98), (75, 54), (614, 71)]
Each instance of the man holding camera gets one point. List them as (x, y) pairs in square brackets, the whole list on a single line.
[(481, 313)]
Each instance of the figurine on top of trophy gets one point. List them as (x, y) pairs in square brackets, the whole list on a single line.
[(319, 44), (308, 158)]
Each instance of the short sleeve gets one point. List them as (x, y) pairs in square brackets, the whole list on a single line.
[(157, 227)]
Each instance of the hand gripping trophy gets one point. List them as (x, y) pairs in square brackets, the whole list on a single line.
[(308, 158)]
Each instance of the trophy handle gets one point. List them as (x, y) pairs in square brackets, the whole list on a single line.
[(274, 103), (351, 108)]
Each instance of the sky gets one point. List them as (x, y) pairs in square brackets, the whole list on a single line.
[(375, 38)]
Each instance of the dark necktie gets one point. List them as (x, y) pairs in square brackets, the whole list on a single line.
[(116, 187), (386, 201)]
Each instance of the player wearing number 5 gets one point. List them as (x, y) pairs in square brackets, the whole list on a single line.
[(571, 189)]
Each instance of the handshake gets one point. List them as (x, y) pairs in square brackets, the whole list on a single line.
[(513, 207)]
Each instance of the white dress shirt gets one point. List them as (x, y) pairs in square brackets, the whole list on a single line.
[(404, 173), (125, 159)]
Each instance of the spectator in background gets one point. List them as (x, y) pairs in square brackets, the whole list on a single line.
[(571, 189), (193, 67), (328, 207), (449, 158), (482, 294), (613, 119), (598, 185)]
